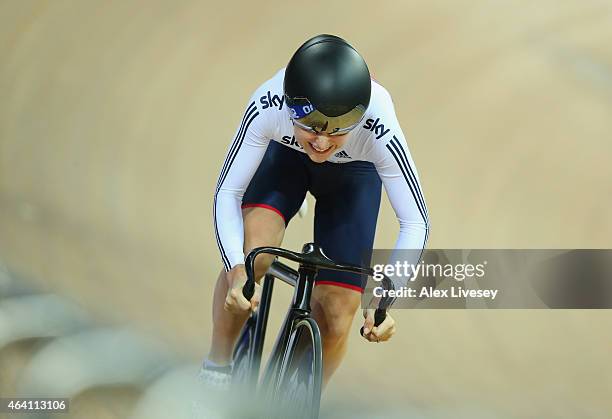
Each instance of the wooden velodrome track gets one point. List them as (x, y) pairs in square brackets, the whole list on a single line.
[(115, 117)]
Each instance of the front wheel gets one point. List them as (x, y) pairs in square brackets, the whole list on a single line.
[(298, 389)]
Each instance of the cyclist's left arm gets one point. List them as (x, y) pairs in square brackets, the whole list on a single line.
[(398, 173), (401, 181)]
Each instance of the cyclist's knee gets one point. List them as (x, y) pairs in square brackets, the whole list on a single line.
[(262, 263)]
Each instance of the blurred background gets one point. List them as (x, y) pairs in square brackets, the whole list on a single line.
[(114, 120)]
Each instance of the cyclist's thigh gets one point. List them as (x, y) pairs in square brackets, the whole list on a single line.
[(273, 196), (262, 228), (348, 200)]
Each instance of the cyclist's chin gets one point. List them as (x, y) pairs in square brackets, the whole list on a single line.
[(317, 156)]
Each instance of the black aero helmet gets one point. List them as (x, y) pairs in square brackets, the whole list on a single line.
[(327, 85)]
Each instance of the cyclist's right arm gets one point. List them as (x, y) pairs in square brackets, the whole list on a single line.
[(242, 159)]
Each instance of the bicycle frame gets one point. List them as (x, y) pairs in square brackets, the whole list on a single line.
[(310, 261)]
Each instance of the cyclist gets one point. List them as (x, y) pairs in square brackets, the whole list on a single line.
[(320, 125)]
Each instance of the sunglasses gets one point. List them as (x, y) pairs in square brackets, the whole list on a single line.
[(306, 116), (336, 132)]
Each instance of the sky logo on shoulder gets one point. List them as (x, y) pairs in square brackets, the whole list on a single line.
[(268, 101), (290, 141), (378, 129)]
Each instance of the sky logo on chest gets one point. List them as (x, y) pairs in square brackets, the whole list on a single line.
[(268, 101), (378, 129)]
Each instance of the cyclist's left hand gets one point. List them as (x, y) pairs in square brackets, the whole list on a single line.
[(380, 333)]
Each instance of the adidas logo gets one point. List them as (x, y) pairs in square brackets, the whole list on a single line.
[(342, 155)]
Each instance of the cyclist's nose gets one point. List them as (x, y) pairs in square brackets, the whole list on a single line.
[(322, 141)]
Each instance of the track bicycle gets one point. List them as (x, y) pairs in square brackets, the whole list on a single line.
[(293, 375)]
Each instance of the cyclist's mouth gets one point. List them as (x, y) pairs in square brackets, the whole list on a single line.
[(319, 150)]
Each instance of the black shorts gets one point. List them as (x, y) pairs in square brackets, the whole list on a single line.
[(347, 203)]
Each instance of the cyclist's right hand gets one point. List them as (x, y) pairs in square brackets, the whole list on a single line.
[(235, 301)]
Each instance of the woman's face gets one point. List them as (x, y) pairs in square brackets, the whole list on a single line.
[(319, 147)]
